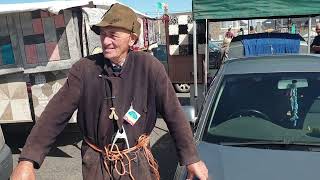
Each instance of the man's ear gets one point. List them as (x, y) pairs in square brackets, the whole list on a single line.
[(133, 39)]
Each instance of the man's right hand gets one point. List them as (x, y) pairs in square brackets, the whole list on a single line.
[(23, 171)]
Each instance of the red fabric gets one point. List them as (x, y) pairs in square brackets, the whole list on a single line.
[(37, 26), (31, 53), (52, 51), (59, 21), (229, 34)]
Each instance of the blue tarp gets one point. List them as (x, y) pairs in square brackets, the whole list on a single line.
[(270, 43)]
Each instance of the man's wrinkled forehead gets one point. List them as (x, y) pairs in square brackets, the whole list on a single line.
[(110, 29)]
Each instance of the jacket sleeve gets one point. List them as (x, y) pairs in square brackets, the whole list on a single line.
[(54, 118), (169, 107)]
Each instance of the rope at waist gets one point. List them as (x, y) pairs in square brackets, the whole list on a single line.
[(117, 156)]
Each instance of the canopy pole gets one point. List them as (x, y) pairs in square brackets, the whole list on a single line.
[(195, 69), (206, 61), (309, 34), (159, 30)]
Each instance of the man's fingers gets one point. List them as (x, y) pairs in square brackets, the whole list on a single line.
[(203, 178), (190, 176)]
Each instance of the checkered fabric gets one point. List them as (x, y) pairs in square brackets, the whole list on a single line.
[(44, 36), (181, 35), (14, 102), (38, 37), (44, 86), (6, 38)]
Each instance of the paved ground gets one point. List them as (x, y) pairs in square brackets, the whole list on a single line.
[(64, 162)]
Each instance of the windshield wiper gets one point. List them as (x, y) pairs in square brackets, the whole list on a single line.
[(270, 143), (252, 143)]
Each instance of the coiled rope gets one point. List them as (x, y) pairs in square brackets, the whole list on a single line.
[(117, 157)]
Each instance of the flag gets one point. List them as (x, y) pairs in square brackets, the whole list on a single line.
[(159, 5)]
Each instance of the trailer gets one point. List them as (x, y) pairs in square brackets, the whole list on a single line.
[(39, 42)]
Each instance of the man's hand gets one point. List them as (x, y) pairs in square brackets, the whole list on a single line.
[(198, 170), (23, 171)]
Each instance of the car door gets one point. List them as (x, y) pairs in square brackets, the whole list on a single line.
[(6, 163)]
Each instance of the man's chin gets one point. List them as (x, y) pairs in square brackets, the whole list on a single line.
[(107, 55)]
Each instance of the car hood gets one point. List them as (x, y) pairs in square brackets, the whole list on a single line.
[(244, 163)]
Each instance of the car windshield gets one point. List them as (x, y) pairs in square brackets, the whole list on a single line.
[(266, 107)]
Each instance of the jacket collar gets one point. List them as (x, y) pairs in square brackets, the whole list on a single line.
[(107, 67)]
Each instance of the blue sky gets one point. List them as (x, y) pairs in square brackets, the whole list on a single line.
[(149, 6), (146, 6)]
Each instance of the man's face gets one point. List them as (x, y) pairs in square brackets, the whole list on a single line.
[(115, 43), (318, 30)]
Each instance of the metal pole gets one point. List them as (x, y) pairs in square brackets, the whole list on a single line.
[(309, 34), (206, 61), (159, 33), (195, 69)]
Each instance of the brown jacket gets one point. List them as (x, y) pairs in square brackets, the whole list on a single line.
[(143, 82)]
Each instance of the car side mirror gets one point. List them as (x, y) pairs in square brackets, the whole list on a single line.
[(190, 113)]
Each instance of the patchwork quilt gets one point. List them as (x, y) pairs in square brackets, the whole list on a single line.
[(38, 37), (14, 101), (44, 86)]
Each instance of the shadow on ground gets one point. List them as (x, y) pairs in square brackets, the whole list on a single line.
[(163, 149), (165, 153), (16, 135)]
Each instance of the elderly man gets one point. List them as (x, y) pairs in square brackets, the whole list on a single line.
[(118, 94), (315, 46)]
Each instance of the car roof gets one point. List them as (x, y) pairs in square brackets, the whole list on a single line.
[(272, 64)]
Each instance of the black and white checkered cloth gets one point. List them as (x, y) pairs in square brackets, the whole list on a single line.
[(181, 35)]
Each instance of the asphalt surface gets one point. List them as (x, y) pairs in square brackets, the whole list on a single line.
[(64, 162)]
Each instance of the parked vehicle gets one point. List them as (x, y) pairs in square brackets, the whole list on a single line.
[(6, 162), (260, 117), (260, 120), (215, 56), (181, 67)]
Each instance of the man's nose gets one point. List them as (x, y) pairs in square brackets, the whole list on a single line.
[(106, 40)]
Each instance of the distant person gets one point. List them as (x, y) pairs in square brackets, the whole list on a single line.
[(315, 46), (252, 30), (229, 34), (241, 32)]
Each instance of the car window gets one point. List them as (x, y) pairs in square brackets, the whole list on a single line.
[(274, 107)]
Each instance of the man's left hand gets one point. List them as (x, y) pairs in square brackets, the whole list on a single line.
[(198, 170)]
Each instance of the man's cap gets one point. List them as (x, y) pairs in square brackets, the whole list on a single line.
[(119, 16)]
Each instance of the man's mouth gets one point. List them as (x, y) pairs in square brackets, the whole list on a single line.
[(108, 49)]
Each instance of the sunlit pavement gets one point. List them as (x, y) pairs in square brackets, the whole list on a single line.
[(64, 161)]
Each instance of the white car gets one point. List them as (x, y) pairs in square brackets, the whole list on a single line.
[(5, 159)]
